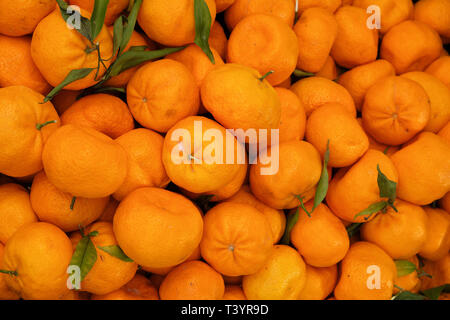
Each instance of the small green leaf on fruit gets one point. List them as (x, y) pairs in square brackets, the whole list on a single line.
[(117, 252), (203, 22), (73, 76), (404, 267)]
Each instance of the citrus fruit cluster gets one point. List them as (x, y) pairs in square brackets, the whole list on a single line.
[(224, 149)]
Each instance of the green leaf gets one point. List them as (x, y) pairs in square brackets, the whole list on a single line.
[(117, 35), (116, 251), (353, 228), (98, 17), (407, 295), (107, 90), (85, 24), (131, 59), (404, 267), (85, 256), (373, 208), (203, 23), (130, 24), (322, 186), (291, 221), (302, 205), (303, 74), (138, 48), (434, 293), (73, 76), (387, 187)]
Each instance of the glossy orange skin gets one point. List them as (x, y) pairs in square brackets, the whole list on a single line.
[(320, 282), (410, 282), (233, 292), (18, 18), (145, 168), (355, 43), (283, 276), (436, 14), (440, 69), (279, 190), (414, 52), (64, 99), (225, 192), (330, 5), (392, 12), (354, 277), (139, 227), (74, 153), (316, 32), (439, 270), (162, 93), (114, 9), (238, 99), (439, 97), (195, 255), (102, 112), (218, 40), (347, 140), (5, 292), (136, 40), (110, 210), (196, 61), (321, 239), (437, 243), (171, 23), (264, 33), (359, 79), (237, 239), (276, 218), (108, 273), (15, 210), (213, 173), (354, 189), (395, 110), (40, 253), (283, 9), (314, 92), (53, 206), (423, 169), (56, 50), (193, 280), (139, 288), (445, 202), (401, 234), (293, 116), (17, 66), (445, 132), (21, 143), (329, 70)]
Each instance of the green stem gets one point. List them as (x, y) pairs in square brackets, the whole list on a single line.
[(72, 203), (39, 126), (266, 75), (11, 273)]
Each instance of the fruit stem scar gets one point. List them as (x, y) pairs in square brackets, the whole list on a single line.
[(11, 273), (231, 247), (266, 75), (39, 126), (72, 203)]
